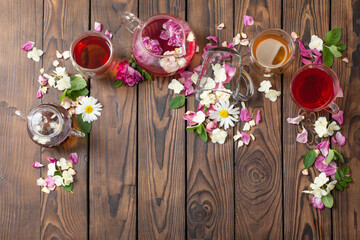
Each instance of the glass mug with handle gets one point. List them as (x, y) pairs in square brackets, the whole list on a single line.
[(314, 87)]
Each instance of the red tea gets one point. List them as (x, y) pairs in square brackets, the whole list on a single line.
[(92, 52), (312, 88)]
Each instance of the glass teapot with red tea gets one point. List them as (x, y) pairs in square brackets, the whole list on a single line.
[(49, 125), (162, 44)]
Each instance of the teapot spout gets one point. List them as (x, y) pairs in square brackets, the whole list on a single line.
[(130, 21), (76, 133)]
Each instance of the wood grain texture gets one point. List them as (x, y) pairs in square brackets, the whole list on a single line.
[(161, 159), (258, 175), (210, 197), (113, 141), (64, 215), (19, 197), (347, 207), (301, 219)]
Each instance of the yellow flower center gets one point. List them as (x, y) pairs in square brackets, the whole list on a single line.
[(224, 113), (89, 109)]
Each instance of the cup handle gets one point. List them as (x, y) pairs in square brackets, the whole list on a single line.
[(130, 21), (76, 133), (333, 108)]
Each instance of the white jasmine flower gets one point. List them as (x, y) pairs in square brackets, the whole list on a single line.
[(332, 127), (199, 117), (252, 136), (58, 54), (35, 54), (194, 77), (222, 96), (321, 126), (207, 98), (56, 63), (41, 182), (71, 171), (190, 37), (252, 123), (272, 95), (68, 178), (60, 71), (63, 83), (220, 75), (66, 54), (51, 79), (246, 127), (236, 39), (223, 114), (176, 86), (316, 43), (58, 180), (51, 169), (265, 86), (319, 181), (218, 136), (240, 143), (331, 186), (237, 136), (45, 190), (89, 108), (210, 83), (62, 164)]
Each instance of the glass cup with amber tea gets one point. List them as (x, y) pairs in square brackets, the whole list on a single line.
[(272, 51)]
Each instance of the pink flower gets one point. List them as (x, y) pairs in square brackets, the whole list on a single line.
[(37, 164), (52, 160), (173, 33), (324, 147), (320, 164), (128, 75), (206, 49), (306, 61), (258, 117), (295, 120), (189, 89), (245, 138), (245, 115), (50, 182), (318, 59), (339, 117), (316, 52), (211, 126), (39, 94), (317, 203), (248, 20), (303, 51), (339, 139), (74, 157), (302, 137), (189, 116), (207, 113), (97, 27), (108, 33), (213, 38), (152, 45), (28, 46), (42, 80)]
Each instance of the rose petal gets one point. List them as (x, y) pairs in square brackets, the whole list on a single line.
[(317, 203), (305, 172), (50, 182), (28, 46), (56, 63), (236, 39), (97, 27), (306, 61), (213, 38), (74, 157), (245, 115), (108, 33), (66, 54), (318, 59), (324, 147), (302, 137), (316, 52), (295, 120), (41, 182), (37, 164), (345, 59), (50, 159), (39, 94), (205, 50), (320, 164), (339, 139), (189, 116), (294, 36), (245, 138), (220, 26), (258, 117), (339, 117), (248, 20), (340, 92), (198, 68), (224, 44), (244, 42), (304, 51), (243, 35), (58, 54), (211, 126), (186, 74), (42, 80)]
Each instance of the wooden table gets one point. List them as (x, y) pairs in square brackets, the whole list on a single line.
[(140, 174)]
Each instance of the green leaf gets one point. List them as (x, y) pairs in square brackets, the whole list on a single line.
[(177, 102), (339, 187), (205, 109), (203, 134), (337, 176), (85, 126), (328, 58), (346, 170), (69, 187), (63, 95), (344, 184), (341, 173), (199, 129), (57, 174), (347, 179), (227, 86), (119, 83), (75, 94), (330, 157), (192, 128), (146, 75), (309, 158), (77, 83), (328, 200), (338, 156), (340, 47), (333, 36), (333, 49)]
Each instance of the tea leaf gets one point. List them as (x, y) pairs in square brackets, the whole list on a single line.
[(330, 157), (337, 177), (340, 47), (333, 36), (339, 187), (63, 95), (177, 102), (205, 109), (203, 134), (328, 200), (346, 170), (75, 94), (119, 83), (227, 86), (77, 83), (192, 128), (334, 51), (85, 126), (341, 173), (69, 187), (146, 75), (328, 58), (347, 179), (338, 156), (309, 158), (344, 184)]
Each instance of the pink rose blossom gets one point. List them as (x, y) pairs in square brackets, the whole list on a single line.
[(28, 46), (320, 164), (324, 147), (339, 139), (74, 158), (258, 117), (248, 20), (97, 27), (339, 117), (128, 75), (173, 33), (152, 45), (211, 126), (302, 137), (52, 160), (317, 203), (37, 164), (213, 38), (189, 116)]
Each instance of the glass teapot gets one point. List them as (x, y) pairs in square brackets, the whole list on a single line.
[(162, 44), (49, 125)]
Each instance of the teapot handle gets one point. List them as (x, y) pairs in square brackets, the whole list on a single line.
[(76, 133), (130, 21)]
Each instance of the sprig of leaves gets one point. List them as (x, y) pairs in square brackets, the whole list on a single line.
[(200, 131), (177, 102), (311, 156), (77, 89), (342, 179), (332, 47)]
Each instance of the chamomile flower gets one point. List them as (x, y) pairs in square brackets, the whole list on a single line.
[(224, 114), (89, 108)]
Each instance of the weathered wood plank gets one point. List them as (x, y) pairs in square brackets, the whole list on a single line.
[(258, 175), (210, 197), (113, 141), (20, 197), (346, 212), (161, 133), (64, 215), (301, 219)]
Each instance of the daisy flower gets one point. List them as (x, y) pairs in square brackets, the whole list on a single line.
[(89, 108), (224, 114)]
